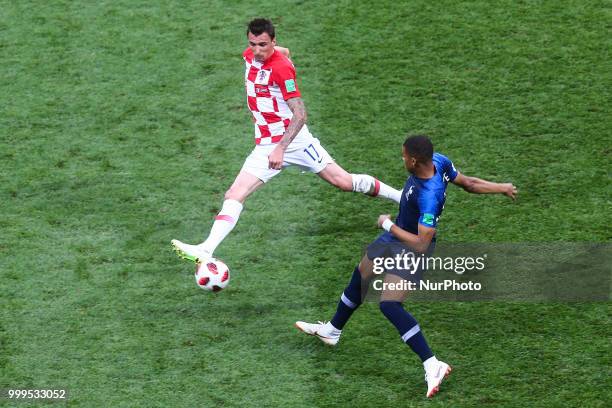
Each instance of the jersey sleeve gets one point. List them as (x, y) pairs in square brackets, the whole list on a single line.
[(451, 171), (429, 210), (284, 76)]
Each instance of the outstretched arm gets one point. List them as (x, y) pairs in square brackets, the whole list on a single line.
[(480, 186), (275, 159)]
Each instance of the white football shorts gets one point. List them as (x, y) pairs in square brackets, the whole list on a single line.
[(305, 152)]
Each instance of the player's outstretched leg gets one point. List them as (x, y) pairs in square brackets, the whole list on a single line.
[(224, 223), (351, 298), (410, 332), (361, 183)]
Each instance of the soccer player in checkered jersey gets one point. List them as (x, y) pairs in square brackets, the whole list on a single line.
[(282, 139), (413, 231)]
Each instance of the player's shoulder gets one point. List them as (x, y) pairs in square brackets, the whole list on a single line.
[(440, 158), (247, 55), (446, 166), (280, 62), (443, 162)]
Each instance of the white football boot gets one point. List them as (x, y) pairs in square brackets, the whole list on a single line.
[(435, 372), (327, 333), (193, 253)]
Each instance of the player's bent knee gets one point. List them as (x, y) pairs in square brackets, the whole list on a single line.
[(235, 194), (366, 268), (229, 195), (396, 295)]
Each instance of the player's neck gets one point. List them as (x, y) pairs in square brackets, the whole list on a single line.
[(425, 171), (266, 59)]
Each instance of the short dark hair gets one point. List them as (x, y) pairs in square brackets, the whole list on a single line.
[(259, 26), (419, 147)]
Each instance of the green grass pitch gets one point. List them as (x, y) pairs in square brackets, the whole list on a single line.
[(122, 123)]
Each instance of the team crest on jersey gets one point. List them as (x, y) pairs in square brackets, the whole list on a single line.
[(263, 77), (409, 193)]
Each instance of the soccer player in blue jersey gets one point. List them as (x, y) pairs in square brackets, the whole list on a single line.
[(414, 228)]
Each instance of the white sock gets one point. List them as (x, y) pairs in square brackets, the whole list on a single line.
[(364, 183), (430, 363), (389, 192), (223, 225)]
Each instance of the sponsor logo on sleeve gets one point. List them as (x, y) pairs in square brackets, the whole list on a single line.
[(290, 85), (428, 219)]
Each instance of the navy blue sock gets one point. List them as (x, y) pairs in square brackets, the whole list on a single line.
[(407, 327), (350, 300)]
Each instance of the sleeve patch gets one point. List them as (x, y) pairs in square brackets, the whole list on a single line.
[(290, 85), (428, 219)]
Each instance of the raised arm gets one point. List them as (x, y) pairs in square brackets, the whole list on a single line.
[(480, 186)]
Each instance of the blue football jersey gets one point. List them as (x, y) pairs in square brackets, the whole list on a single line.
[(423, 199)]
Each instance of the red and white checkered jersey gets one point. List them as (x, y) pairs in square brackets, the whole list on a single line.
[(269, 85)]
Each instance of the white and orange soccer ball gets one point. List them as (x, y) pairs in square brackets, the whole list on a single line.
[(212, 275)]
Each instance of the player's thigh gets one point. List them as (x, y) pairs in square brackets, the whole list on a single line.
[(337, 176), (254, 173), (308, 154), (244, 185), (394, 295)]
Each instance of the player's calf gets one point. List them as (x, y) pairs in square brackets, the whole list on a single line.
[(361, 183)]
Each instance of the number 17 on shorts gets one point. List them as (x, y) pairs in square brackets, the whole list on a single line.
[(312, 152)]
